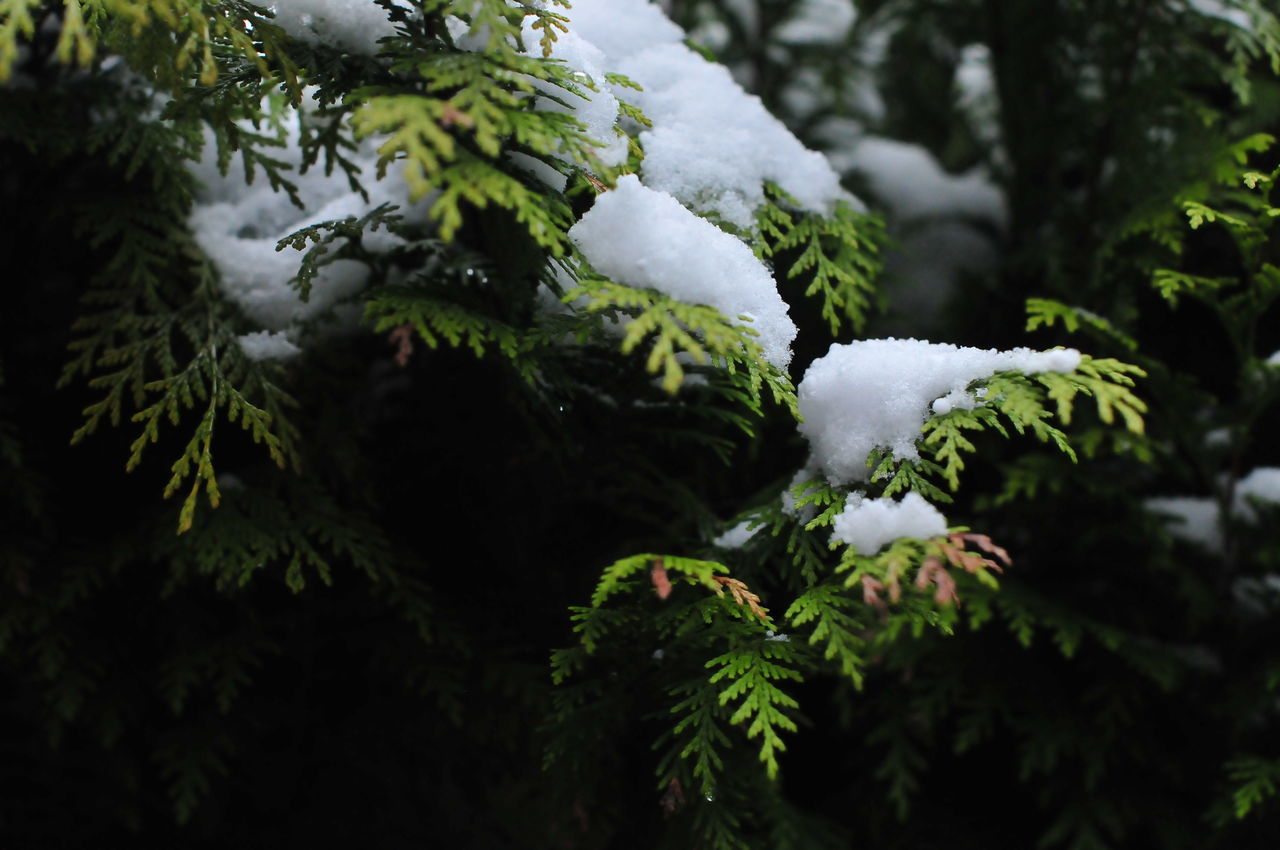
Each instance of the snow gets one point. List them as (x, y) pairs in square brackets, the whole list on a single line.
[(544, 173), (1256, 595), (1217, 438), (1193, 518), (1232, 14), (622, 28), (1260, 485), (943, 223), (878, 392), (644, 238), (1196, 518), (712, 146), (736, 537), (868, 525), (351, 25), (598, 110), (977, 98), (267, 345), (238, 224), (911, 183), (789, 500), (930, 261), (974, 79), (818, 22)]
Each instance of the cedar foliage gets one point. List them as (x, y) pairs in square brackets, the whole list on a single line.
[(347, 637)]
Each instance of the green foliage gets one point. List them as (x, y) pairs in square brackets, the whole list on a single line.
[(702, 333), (1017, 403), (837, 628), (216, 378), (451, 113), (839, 254), (1255, 780), (1047, 313), (172, 41), (322, 236), (748, 673), (399, 528), (291, 533)]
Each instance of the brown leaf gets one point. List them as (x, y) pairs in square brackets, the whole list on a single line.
[(452, 115), (672, 799), (658, 576), (985, 543), (933, 572), (871, 588), (946, 592), (925, 576), (402, 339), (743, 596)]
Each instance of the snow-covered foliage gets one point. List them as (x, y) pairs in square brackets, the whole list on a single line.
[(1262, 484), (624, 256), (346, 25), (645, 238), (737, 536), (268, 345), (873, 394), (1197, 519), (239, 224), (1191, 518), (868, 525), (711, 145)]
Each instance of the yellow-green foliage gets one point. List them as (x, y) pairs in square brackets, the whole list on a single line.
[(840, 254), (703, 333)]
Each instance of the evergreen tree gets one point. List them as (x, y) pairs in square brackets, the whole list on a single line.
[(477, 421)]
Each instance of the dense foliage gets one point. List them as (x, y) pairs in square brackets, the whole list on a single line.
[(496, 549)]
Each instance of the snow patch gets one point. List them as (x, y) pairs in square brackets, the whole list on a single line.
[(644, 238), (267, 345), (868, 525), (736, 537), (712, 146), (818, 22), (351, 25), (1196, 519), (877, 393), (238, 224), (1192, 518)]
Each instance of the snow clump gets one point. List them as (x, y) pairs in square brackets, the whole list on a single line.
[(598, 110), (915, 187), (868, 525), (238, 225), (1190, 518), (736, 537), (877, 393), (1261, 485), (712, 146), (1196, 519), (818, 22), (351, 25), (267, 345), (644, 238)]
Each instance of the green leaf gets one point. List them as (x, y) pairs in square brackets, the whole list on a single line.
[(749, 673)]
